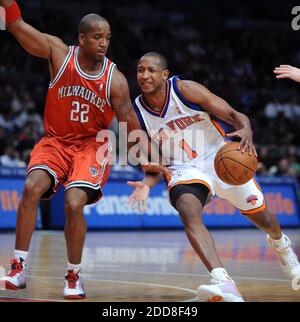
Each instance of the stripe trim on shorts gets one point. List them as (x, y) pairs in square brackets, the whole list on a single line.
[(253, 211), (46, 168), (85, 184), (190, 182)]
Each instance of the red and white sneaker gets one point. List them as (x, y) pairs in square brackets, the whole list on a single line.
[(74, 288), (16, 278), (221, 289)]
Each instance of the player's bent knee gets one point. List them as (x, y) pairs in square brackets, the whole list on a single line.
[(184, 206), (32, 190), (192, 221), (74, 206), (193, 226)]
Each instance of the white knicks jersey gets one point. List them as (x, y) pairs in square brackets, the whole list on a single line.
[(185, 132)]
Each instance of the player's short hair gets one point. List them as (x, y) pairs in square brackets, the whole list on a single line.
[(85, 24), (162, 60)]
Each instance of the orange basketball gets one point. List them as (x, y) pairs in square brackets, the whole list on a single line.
[(234, 167)]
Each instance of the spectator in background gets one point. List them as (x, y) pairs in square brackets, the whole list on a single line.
[(2, 141), (11, 158), (273, 108), (294, 161), (283, 168), (261, 169)]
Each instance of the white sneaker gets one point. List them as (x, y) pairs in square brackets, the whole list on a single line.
[(74, 288), (16, 278), (223, 289), (288, 260)]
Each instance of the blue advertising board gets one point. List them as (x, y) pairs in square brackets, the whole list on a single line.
[(113, 211), (11, 186)]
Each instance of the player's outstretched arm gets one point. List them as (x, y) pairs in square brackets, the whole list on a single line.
[(33, 41), (200, 95), (287, 71)]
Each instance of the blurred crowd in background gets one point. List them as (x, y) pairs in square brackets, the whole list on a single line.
[(229, 46)]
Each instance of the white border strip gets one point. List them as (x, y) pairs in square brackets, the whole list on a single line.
[(62, 68), (103, 168), (85, 184), (108, 83), (46, 168)]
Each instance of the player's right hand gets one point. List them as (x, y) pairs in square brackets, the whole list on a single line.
[(246, 143), (139, 195), (287, 71)]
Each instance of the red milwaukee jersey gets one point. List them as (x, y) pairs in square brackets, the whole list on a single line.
[(78, 104)]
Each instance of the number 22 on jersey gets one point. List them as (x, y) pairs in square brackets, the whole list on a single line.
[(79, 112)]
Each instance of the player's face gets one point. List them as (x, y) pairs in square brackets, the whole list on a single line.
[(95, 42), (150, 74)]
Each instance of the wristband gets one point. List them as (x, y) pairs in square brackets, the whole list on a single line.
[(12, 12)]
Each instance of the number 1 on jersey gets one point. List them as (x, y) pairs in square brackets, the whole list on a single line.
[(188, 150)]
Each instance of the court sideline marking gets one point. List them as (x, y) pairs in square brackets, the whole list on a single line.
[(113, 281), (165, 273)]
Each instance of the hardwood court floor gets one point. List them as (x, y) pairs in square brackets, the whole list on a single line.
[(150, 266)]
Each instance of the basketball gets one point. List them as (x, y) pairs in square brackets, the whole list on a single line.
[(234, 167)]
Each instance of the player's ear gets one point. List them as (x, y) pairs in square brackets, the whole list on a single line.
[(81, 39), (166, 74)]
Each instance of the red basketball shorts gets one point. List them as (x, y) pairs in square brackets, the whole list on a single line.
[(72, 165)]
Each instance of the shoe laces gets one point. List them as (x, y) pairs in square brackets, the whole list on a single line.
[(220, 276), (287, 252), (72, 279), (16, 267), (291, 259), (221, 281)]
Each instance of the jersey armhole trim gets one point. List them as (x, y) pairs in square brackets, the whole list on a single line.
[(62, 68), (139, 116), (182, 98), (109, 79)]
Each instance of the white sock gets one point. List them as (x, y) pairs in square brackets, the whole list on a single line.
[(220, 273), (76, 268), (280, 243), (18, 254)]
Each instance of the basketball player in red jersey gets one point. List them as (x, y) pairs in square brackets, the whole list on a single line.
[(85, 92)]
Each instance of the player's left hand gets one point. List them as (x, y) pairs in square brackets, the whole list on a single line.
[(139, 195), (246, 143)]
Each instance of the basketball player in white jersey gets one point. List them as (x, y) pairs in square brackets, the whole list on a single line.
[(167, 109)]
